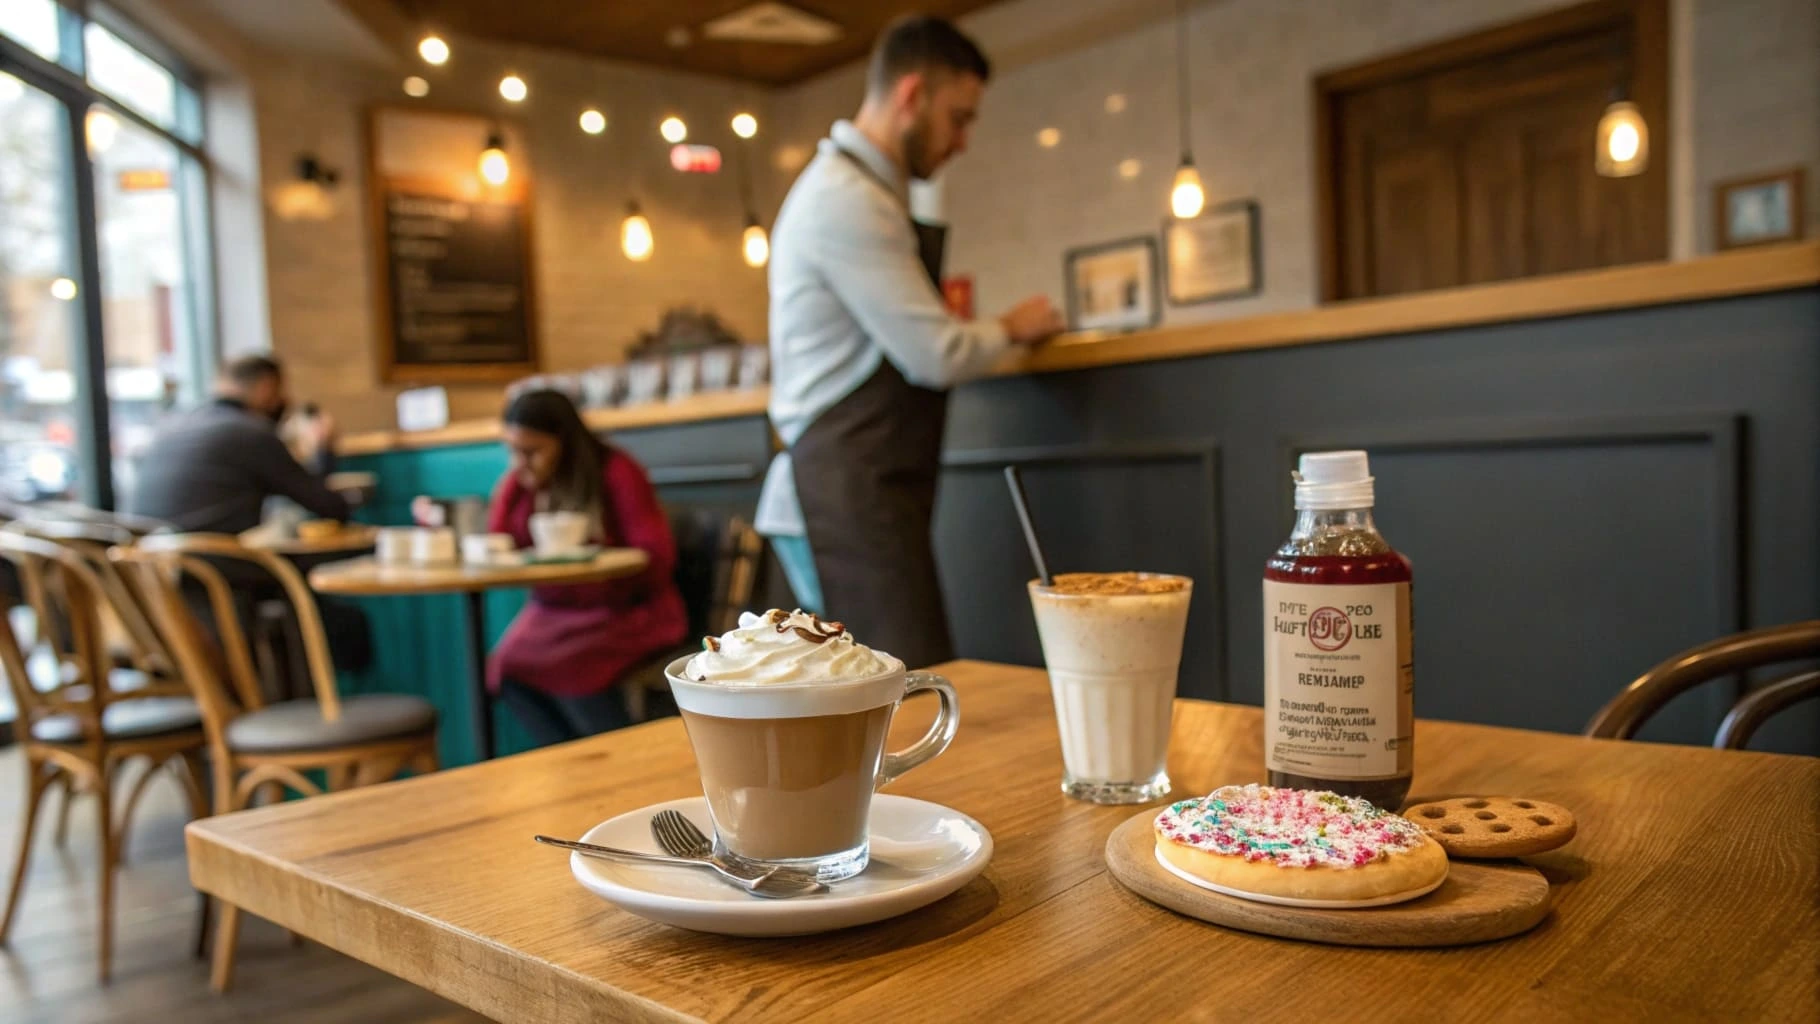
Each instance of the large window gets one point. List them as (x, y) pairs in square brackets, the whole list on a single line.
[(105, 313)]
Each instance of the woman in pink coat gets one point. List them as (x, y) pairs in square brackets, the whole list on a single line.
[(558, 662)]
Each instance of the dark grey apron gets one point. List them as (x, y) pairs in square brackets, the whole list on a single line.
[(865, 474)]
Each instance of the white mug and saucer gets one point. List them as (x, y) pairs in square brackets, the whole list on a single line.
[(488, 549), (884, 855), (561, 536)]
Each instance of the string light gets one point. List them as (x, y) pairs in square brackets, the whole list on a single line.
[(433, 50), (673, 130), (1049, 138), (494, 167), (745, 125), (513, 88), (416, 87), (593, 121), (63, 289), (635, 238)]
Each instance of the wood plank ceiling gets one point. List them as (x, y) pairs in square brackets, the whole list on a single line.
[(647, 31)]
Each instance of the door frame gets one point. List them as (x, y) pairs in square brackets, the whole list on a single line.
[(1648, 21)]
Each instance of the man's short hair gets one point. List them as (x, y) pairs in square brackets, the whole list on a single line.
[(246, 371), (919, 42)]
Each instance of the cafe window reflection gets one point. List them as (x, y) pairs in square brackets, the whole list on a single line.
[(140, 119)]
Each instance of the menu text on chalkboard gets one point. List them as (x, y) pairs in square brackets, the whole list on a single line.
[(457, 281)]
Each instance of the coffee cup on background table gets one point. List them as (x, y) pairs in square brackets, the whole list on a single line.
[(787, 716), (558, 533), (485, 548)]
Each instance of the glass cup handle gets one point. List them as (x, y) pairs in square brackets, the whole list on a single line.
[(940, 734)]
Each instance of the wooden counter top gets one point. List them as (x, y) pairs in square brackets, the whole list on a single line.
[(1742, 272)]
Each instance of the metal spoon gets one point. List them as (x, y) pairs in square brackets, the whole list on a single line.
[(679, 837), (770, 885)]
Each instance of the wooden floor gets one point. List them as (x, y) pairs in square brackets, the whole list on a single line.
[(47, 969)]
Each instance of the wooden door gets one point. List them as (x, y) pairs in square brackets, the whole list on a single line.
[(1472, 161)]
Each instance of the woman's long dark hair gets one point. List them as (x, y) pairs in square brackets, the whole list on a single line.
[(576, 484)]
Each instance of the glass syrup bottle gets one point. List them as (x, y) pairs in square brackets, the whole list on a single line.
[(1338, 643)]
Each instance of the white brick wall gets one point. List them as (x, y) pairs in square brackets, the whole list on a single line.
[(591, 301)]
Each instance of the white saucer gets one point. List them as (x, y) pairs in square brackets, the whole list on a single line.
[(921, 852), (1290, 901)]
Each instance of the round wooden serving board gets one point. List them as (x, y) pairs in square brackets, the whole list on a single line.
[(1479, 902)]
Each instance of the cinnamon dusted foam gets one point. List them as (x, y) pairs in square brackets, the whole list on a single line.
[(1116, 584)]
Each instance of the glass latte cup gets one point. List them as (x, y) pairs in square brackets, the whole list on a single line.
[(787, 716)]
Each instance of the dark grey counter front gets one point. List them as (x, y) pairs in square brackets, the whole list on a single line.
[(1581, 497)]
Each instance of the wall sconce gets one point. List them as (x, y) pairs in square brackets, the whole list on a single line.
[(310, 195)]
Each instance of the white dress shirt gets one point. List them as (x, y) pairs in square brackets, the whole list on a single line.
[(847, 289)]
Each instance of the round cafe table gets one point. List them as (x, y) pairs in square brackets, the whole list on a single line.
[(365, 577), (352, 539)]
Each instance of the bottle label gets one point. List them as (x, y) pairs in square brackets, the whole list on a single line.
[(1338, 680)]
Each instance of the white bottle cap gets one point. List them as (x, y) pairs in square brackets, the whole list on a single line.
[(1332, 480)]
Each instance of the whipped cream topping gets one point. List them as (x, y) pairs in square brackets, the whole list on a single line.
[(785, 647)]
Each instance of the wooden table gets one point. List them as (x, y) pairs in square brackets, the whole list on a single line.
[(365, 577), (1689, 891), (350, 540)]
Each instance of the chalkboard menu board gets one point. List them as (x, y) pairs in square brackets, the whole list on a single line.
[(457, 284)]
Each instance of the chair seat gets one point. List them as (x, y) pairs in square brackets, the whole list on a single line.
[(126, 719), (299, 725)]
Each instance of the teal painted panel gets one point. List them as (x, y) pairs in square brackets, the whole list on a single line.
[(421, 643)]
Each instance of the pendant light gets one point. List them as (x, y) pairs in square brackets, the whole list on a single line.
[(494, 167), (635, 238), (1621, 143), (1622, 148), (754, 244), (1186, 197)]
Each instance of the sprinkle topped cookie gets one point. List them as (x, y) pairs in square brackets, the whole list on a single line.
[(1298, 844), (1288, 827)]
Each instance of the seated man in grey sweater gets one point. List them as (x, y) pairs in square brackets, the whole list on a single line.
[(211, 469)]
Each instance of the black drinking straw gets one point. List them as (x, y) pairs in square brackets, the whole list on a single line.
[(1016, 484)]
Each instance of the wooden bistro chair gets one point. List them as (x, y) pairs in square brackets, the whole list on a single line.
[(258, 750), (1726, 656), (78, 729)]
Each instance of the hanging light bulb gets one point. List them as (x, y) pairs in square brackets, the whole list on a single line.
[(1623, 140), (416, 87), (433, 50), (635, 239), (1186, 198), (673, 130), (101, 127), (63, 289), (745, 125), (494, 167), (593, 121), (512, 88), (754, 244)]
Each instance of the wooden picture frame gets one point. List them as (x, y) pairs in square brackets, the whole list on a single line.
[(396, 364), (1113, 286), (1205, 262), (1775, 202)]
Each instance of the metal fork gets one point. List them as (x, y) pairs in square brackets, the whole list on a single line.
[(769, 885), (679, 837)]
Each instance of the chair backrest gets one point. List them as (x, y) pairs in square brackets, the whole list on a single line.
[(1726, 656), (67, 599), (716, 566), (165, 561), (124, 606)]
